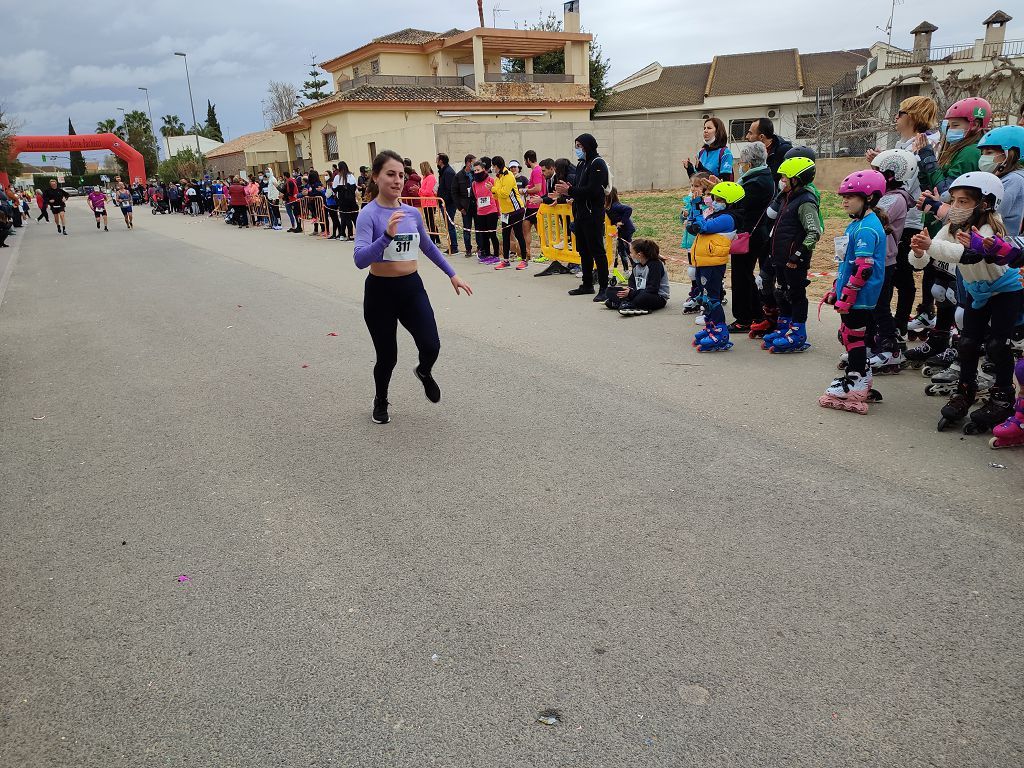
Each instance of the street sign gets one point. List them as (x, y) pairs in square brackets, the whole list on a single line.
[(44, 158)]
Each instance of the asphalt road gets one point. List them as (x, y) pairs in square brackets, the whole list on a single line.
[(682, 554)]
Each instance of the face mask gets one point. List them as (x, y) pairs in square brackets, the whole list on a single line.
[(987, 163), (580, 154), (782, 186), (708, 142), (480, 176), (958, 216), (718, 206), (953, 135)]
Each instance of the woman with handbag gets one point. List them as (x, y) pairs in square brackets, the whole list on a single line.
[(751, 243)]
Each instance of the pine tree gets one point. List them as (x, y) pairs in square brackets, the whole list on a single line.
[(213, 130), (312, 89), (77, 158)]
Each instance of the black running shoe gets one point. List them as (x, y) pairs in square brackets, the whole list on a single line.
[(581, 290), (430, 388), (380, 411)]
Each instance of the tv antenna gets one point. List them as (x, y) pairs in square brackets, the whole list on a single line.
[(888, 27), (494, 14)]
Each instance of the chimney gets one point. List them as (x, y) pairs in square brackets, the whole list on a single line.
[(995, 33), (923, 37), (572, 16)]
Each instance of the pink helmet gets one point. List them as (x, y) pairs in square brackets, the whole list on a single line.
[(972, 108), (863, 183)]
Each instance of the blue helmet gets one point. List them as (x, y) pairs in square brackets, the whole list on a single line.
[(1004, 138)]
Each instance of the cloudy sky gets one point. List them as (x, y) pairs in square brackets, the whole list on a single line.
[(51, 70)]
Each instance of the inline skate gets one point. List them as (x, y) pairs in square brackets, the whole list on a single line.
[(939, 362), (959, 404), (997, 407), (762, 327), (888, 360), (715, 338), (920, 326), (851, 392), (794, 340), (781, 328), (935, 343)]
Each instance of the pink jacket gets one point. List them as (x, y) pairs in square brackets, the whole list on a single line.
[(428, 191)]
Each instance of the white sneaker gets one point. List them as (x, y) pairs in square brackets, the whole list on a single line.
[(700, 320)]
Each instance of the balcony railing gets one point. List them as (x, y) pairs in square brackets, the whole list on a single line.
[(929, 56), (522, 77), (1010, 49), (469, 80), (953, 53)]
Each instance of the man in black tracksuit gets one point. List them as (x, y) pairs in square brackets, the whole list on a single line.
[(466, 204), (446, 192), (588, 194)]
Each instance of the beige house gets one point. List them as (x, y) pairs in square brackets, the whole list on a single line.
[(251, 152), (392, 92), (737, 88)]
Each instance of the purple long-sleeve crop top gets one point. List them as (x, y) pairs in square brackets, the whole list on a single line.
[(373, 243)]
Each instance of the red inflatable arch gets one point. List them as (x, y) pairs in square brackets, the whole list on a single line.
[(83, 142)]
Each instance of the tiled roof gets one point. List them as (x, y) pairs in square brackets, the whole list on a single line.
[(999, 17), (412, 36), (242, 143), (760, 72), (290, 121), (824, 69), (676, 87), (924, 26), (743, 73)]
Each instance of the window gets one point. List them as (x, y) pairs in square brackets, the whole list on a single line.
[(355, 72), (331, 146), (375, 67), (738, 129), (372, 146), (298, 150)]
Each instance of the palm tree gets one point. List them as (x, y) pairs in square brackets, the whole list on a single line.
[(106, 126), (172, 126)]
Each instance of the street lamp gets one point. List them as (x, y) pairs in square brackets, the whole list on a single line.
[(152, 127), (187, 80)]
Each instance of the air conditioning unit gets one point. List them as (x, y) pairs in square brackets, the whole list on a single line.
[(773, 113)]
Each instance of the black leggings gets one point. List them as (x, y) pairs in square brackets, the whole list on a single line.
[(388, 301), (43, 215), (767, 289), (332, 214), (987, 330), (515, 226), (488, 222), (746, 306), (641, 300), (903, 282), (346, 222), (791, 293), (882, 326)]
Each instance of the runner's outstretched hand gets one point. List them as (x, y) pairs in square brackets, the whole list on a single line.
[(459, 284)]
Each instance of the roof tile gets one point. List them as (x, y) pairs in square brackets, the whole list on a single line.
[(676, 87), (759, 72)]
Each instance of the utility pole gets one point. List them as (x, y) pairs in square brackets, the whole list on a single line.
[(195, 123), (152, 128)]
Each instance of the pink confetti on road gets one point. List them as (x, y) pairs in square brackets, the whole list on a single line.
[(183, 578), (332, 333), (305, 365)]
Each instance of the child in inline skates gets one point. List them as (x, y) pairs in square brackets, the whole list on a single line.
[(958, 153), (796, 231), (994, 289), (899, 167), (693, 204), (648, 282), (714, 235), (621, 217), (859, 281)]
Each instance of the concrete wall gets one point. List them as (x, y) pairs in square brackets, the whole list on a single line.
[(830, 172), (643, 154)]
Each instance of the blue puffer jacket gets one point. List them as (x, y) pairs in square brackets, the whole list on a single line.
[(866, 238)]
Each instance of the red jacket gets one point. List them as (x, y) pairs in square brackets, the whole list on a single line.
[(236, 194)]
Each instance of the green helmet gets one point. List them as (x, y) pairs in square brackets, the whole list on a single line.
[(798, 168), (729, 191)]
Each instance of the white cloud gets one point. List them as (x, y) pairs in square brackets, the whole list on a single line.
[(25, 66)]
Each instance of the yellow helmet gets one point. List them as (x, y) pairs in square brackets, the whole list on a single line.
[(801, 168), (729, 191)]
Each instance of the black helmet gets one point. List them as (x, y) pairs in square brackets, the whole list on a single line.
[(801, 152)]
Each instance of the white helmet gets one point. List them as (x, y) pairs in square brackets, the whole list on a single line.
[(901, 162), (986, 183)]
